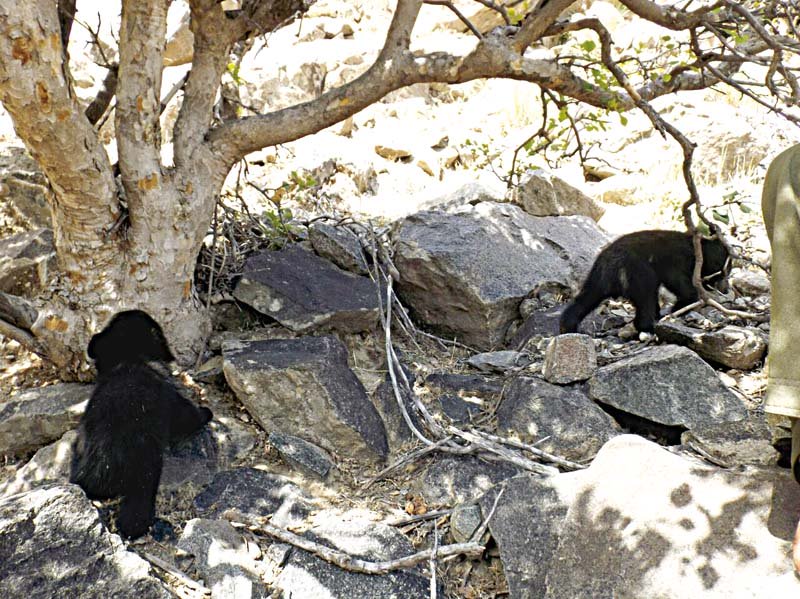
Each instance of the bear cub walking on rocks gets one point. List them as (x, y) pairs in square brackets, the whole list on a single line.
[(635, 265), (134, 413)]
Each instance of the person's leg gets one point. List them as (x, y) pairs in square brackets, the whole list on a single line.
[(780, 203)]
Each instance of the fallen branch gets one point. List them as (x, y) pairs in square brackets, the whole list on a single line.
[(345, 560), (545, 455), (508, 455), (174, 572)]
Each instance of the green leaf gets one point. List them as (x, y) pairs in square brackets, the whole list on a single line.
[(720, 216), (623, 120), (588, 45)]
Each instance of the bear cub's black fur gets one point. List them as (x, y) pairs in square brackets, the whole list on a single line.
[(635, 265), (134, 413)]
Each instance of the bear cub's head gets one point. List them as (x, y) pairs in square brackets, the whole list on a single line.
[(131, 337)]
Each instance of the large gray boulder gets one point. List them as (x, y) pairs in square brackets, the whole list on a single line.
[(650, 523), (340, 245), (465, 274), (40, 416), (305, 292), (304, 387), (561, 420), (670, 385), (53, 544)]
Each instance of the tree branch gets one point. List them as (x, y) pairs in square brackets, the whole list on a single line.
[(538, 22), (141, 46), (48, 117), (347, 561)]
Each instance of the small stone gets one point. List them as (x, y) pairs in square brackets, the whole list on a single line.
[(393, 154), (570, 358), (464, 521), (498, 361), (302, 455)]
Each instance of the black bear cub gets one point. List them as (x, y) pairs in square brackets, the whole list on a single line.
[(635, 265), (134, 413)]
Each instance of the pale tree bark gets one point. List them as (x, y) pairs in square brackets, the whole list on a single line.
[(135, 244)]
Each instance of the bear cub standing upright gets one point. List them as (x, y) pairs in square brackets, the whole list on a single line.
[(134, 413), (635, 265)]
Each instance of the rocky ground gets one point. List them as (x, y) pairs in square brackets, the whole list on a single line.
[(586, 465)]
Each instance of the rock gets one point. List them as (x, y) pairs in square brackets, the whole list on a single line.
[(460, 411), (451, 480), (339, 245), (225, 560), (210, 371), (197, 459), (541, 193), (393, 154), (465, 274), (749, 282), (37, 417), (302, 455), (304, 387), (54, 545), (561, 420), (746, 441), (498, 361), (669, 385), (465, 386), (731, 346), (569, 358), (463, 396), (305, 292), (256, 493), (649, 523), (543, 323), (26, 262), (397, 431), (526, 526), (464, 522), (23, 187), (304, 575), (51, 464)]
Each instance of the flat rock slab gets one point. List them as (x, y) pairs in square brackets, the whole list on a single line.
[(670, 385), (746, 441), (302, 455), (560, 420), (340, 245), (304, 387), (54, 545), (256, 493), (498, 361), (465, 274), (304, 292), (450, 480), (37, 417), (650, 523), (304, 575), (731, 346)]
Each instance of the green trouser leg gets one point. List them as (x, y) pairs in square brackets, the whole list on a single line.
[(780, 203)]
